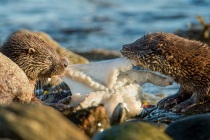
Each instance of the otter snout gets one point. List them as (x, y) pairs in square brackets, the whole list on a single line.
[(126, 50), (59, 67), (64, 62), (123, 49)]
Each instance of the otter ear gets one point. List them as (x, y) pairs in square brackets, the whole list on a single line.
[(31, 51)]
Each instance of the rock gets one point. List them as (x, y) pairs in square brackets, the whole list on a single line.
[(132, 131), (14, 84), (100, 54), (161, 116), (119, 114), (58, 97), (91, 120), (195, 127), (80, 30), (36, 122), (161, 126)]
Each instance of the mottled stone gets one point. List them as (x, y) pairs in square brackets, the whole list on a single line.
[(132, 131), (91, 120), (14, 84), (36, 122)]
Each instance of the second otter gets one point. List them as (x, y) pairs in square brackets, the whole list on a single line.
[(187, 61), (35, 56)]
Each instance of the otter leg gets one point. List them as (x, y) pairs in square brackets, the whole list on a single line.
[(184, 105), (170, 101), (196, 98)]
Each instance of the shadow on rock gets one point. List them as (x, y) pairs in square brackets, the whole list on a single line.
[(191, 128)]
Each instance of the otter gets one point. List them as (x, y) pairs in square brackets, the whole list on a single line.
[(186, 61), (34, 55)]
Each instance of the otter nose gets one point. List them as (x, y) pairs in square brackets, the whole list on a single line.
[(125, 48), (65, 62)]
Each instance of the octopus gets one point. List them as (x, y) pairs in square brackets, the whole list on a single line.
[(110, 82)]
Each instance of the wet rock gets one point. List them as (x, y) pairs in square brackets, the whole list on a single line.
[(54, 94), (132, 131), (58, 96), (162, 116), (119, 114), (190, 128), (14, 84), (90, 120), (36, 122), (161, 126)]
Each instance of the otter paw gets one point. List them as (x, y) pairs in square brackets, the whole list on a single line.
[(182, 107), (168, 102)]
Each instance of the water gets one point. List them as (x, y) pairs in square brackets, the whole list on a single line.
[(87, 24)]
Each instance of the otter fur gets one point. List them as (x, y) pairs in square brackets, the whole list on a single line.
[(187, 61), (34, 55)]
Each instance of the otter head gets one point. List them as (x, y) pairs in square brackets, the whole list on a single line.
[(151, 51), (34, 55)]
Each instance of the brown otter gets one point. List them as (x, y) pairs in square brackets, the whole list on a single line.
[(34, 55), (187, 61)]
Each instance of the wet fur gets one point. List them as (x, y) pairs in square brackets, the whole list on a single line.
[(187, 61), (34, 55)]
